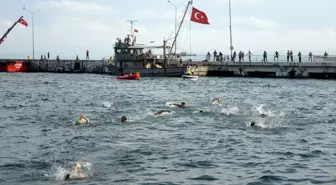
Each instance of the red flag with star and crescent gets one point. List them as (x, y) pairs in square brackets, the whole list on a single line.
[(23, 22), (199, 16)]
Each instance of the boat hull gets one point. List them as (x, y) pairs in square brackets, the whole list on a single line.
[(155, 72), (129, 77), (189, 77), (13, 67)]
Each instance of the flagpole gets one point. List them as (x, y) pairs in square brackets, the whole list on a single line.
[(190, 34), (33, 35), (179, 28), (131, 21), (231, 47), (175, 6)]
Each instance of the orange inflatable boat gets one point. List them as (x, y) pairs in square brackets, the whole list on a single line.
[(132, 76)]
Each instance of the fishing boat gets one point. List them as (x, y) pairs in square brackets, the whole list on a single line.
[(13, 66), (130, 56), (132, 76)]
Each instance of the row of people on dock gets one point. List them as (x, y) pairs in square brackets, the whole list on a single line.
[(241, 56), (46, 57)]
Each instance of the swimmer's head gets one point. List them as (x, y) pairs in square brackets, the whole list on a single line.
[(201, 111), (67, 177), (215, 100), (263, 115), (123, 119), (252, 124), (183, 104)]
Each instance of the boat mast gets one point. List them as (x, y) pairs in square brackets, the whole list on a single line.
[(180, 25), (132, 22)]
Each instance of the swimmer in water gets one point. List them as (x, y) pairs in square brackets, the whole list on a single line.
[(263, 115), (84, 119), (216, 100), (77, 168), (162, 111), (253, 124), (123, 119), (182, 105)]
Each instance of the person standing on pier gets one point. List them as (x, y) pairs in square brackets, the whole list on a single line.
[(220, 56), (265, 56), (234, 56), (215, 55), (325, 54), (299, 55), (58, 60), (87, 54), (310, 57), (276, 55), (243, 55), (249, 55), (240, 56), (288, 53), (48, 55), (291, 55), (208, 57)]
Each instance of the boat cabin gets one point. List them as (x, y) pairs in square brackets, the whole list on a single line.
[(129, 55)]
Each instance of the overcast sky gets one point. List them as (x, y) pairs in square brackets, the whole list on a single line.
[(69, 27)]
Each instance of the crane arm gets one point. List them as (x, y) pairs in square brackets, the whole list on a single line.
[(9, 30)]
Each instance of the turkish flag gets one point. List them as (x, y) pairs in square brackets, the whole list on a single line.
[(136, 31), (23, 22), (199, 16)]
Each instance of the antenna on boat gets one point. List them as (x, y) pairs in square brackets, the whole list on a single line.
[(132, 23)]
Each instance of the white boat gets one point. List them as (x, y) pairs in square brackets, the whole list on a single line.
[(191, 77)]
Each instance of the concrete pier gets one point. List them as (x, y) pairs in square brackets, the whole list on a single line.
[(268, 69), (224, 69)]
